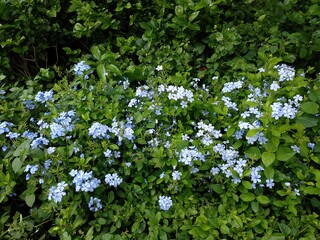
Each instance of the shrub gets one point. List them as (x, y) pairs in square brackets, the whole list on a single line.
[(150, 120)]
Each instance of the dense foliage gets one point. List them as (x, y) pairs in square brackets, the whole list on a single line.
[(159, 120)]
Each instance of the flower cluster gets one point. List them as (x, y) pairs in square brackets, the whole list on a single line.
[(286, 73), (84, 180), (288, 109), (30, 170), (4, 127), (207, 132), (44, 97), (165, 202), (98, 130), (94, 204), (230, 86), (113, 179), (190, 154), (62, 124), (56, 193), (80, 68), (39, 142)]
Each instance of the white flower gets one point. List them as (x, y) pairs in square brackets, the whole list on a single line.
[(159, 68)]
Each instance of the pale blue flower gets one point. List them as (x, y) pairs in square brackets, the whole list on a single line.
[(39, 142), (80, 68), (44, 97), (270, 183), (94, 204), (176, 175), (56, 193), (165, 202), (113, 179)]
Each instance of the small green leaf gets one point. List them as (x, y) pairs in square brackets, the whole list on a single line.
[(269, 172), (101, 221), (255, 206), (110, 197), (30, 199), (101, 71), (24, 146), (217, 188), (179, 11), (224, 229), (138, 117), (284, 153), (252, 132), (89, 235), (253, 153), (268, 158), (95, 52), (16, 165), (247, 197), (247, 184), (308, 120), (193, 16), (310, 107), (263, 199), (312, 190), (112, 68)]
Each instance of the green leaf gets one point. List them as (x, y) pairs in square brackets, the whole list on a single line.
[(247, 184), (102, 221), (284, 153), (255, 206), (138, 117), (179, 11), (253, 153), (110, 197), (252, 132), (217, 188), (135, 226), (30, 199), (310, 107), (268, 158), (101, 71), (312, 190), (112, 68), (193, 16), (224, 229), (24, 146), (307, 120), (95, 52), (269, 172), (284, 228), (263, 199), (247, 197), (89, 235), (238, 221), (163, 235), (16, 165)]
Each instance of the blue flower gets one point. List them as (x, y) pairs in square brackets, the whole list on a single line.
[(44, 97), (113, 179), (98, 130), (39, 142), (56, 193), (4, 127), (94, 204), (84, 180), (165, 202), (80, 68)]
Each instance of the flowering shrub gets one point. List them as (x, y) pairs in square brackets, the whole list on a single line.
[(174, 157), (172, 120)]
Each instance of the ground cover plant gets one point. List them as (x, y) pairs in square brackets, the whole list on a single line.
[(190, 120)]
